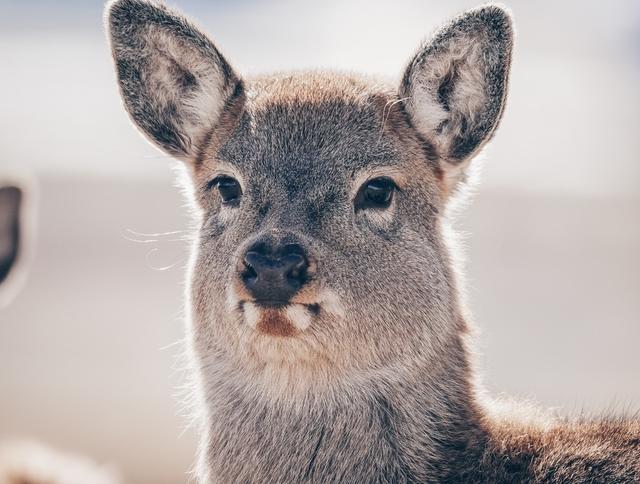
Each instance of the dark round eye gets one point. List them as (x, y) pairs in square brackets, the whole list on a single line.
[(228, 187), (376, 193)]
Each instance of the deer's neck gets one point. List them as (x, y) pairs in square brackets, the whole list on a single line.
[(410, 426)]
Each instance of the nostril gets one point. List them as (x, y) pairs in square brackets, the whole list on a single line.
[(251, 262), (295, 268), (250, 274)]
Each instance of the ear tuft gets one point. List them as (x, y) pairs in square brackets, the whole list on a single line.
[(174, 82), (455, 87)]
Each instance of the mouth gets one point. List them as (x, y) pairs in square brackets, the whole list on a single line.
[(278, 318), (279, 304)]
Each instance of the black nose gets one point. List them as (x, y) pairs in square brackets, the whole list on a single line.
[(274, 274)]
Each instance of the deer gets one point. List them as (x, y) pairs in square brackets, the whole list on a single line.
[(326, 322)]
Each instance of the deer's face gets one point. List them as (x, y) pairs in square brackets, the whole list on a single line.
[(320, 195), (319, 235)]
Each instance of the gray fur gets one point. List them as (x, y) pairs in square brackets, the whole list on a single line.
[(378, 386)]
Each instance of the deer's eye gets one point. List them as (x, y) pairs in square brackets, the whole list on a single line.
[(229, 188), (375, 193)]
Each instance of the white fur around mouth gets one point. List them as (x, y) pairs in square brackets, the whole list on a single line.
[(298, 315)]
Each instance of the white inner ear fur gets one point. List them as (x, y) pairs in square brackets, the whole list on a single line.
[(169, 60), (462, 58)]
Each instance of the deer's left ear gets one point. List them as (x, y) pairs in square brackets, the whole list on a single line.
[(455, 87)]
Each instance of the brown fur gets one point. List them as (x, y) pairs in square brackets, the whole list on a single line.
[(568, 451), (274, 323)]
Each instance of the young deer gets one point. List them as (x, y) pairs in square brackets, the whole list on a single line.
[(326, 326)]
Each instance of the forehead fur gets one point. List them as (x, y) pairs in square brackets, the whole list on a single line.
[(315, 88), (306, 121)]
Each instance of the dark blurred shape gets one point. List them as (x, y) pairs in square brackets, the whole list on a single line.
[(10, 203)]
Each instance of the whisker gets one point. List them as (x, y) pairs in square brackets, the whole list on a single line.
[(157, 234), (142, 238), (172, 345), (161, 268)]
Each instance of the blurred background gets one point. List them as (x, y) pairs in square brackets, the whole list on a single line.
[(88, 348)]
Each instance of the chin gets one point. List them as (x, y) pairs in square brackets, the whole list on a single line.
[(282, 334)]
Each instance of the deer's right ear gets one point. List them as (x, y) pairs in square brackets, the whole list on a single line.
[(173, 81), (455, 87)]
